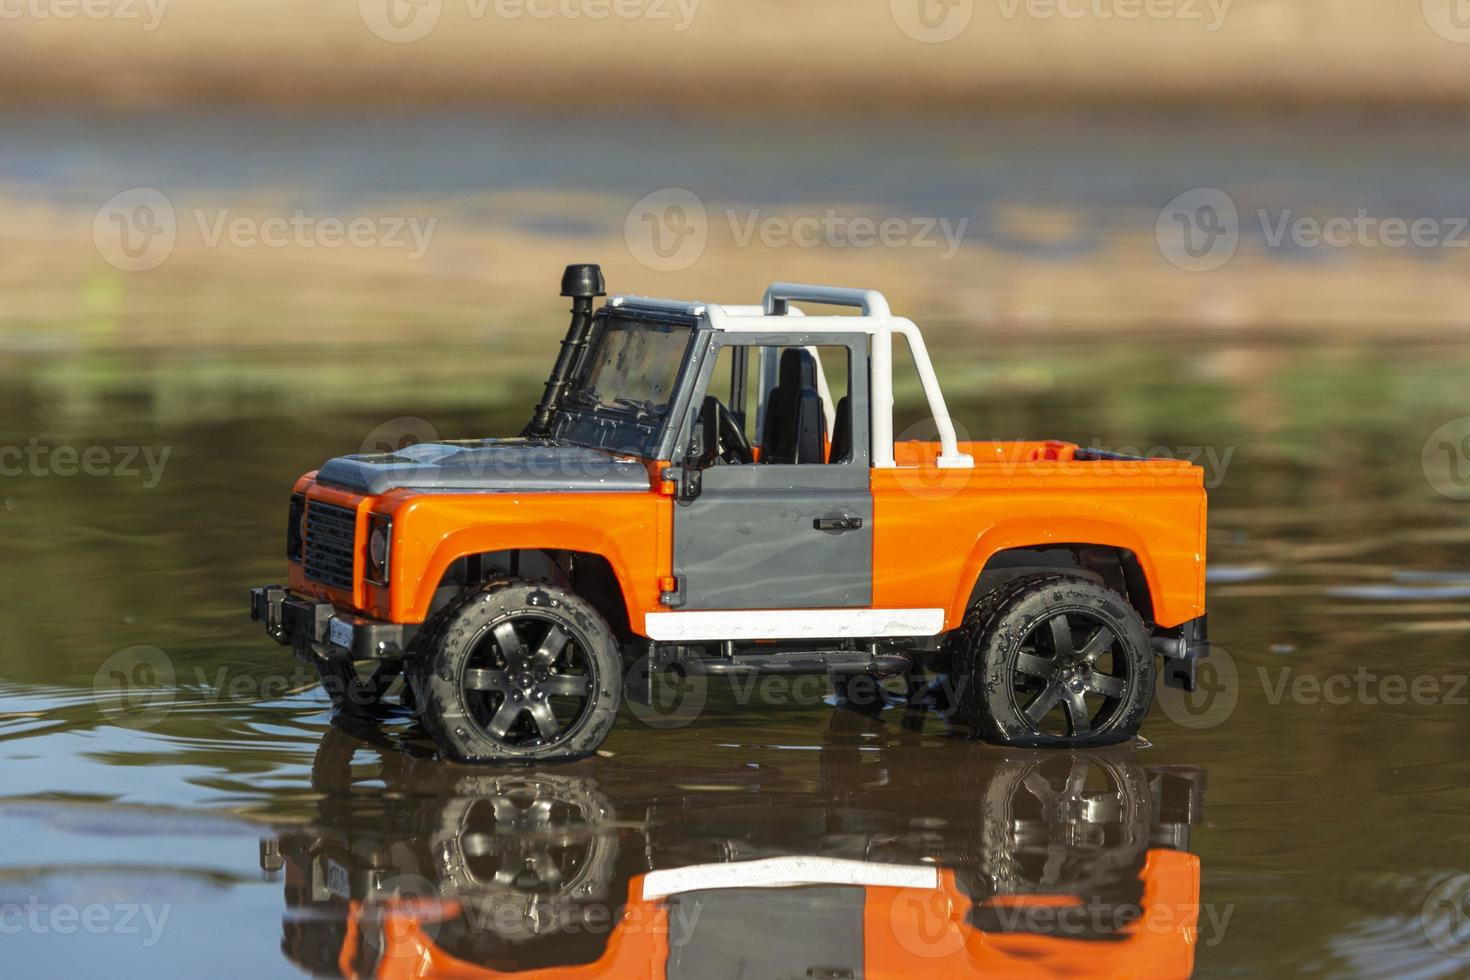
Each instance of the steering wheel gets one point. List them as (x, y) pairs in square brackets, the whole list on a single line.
[(729, 443)]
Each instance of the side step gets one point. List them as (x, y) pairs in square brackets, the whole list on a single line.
[(805, 662), (639, 683)]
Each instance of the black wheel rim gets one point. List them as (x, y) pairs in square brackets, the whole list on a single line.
[(524, 840), (529, 681), (1068, 820), (1069, 677), (1073, 825)]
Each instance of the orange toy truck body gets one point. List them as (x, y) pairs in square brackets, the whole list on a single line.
[(693, 489), (908, 931)]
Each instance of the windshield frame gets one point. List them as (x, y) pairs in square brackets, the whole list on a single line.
[(596, 424)]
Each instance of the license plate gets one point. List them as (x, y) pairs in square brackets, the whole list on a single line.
[(337, 882), (340, 633)]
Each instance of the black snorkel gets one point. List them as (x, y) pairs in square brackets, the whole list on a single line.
[(582, 283)]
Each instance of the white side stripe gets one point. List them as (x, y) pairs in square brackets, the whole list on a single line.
[(792, 624), (787, 872)]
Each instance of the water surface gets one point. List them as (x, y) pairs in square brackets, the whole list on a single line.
[(164, 761)]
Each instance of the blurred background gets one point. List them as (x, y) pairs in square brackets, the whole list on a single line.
[(1048, 137), (240, 238)]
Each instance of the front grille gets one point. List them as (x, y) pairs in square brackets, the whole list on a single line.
[(331, 541)]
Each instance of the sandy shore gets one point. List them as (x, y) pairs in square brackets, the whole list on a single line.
[(742, 55), (64, 288)]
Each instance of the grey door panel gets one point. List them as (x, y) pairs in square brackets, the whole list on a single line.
[(770, 933), (747, 546), (843, 478), (750, 541)]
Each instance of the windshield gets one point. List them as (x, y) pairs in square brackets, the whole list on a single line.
[(634, 366), (628, 383)]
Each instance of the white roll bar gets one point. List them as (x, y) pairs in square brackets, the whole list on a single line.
[(870, 301), (876, 320), (881, 324)]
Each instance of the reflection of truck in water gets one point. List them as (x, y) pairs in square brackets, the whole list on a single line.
[(720, 488), (1040, 864)]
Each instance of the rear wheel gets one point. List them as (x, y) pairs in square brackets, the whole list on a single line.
[(1053, 660), (1061, 824), (518, 671)]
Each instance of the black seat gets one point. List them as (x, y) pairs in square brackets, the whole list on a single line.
[(795, 426), (842, 432)]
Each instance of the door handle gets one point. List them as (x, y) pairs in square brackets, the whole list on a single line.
[(838, 523)]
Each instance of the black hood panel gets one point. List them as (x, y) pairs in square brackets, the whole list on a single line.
[(490, 465)]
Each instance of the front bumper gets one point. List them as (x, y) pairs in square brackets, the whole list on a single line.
[(314, 628)]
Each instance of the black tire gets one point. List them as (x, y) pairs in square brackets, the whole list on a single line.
[(1061, 824), (1037, 669), (1054, 823), (355, 693), (518, 671), (529, 852)]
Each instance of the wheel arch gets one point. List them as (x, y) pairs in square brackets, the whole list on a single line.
[(597, 574), (1108, 552)]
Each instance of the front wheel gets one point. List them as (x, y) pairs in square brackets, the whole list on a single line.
[(1053, 660), (519, 671)]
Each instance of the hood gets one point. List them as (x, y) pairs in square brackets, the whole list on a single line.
[(487, 465)]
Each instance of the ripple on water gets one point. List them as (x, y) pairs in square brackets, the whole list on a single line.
[(1392, 593), (1218, 574)]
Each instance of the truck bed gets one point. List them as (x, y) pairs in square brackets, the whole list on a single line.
[(935, 529)]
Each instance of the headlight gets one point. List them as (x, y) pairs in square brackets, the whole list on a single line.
[(295, 521), (380, 540)]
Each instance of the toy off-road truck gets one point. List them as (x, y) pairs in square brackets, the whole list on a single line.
[(718, 488)]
